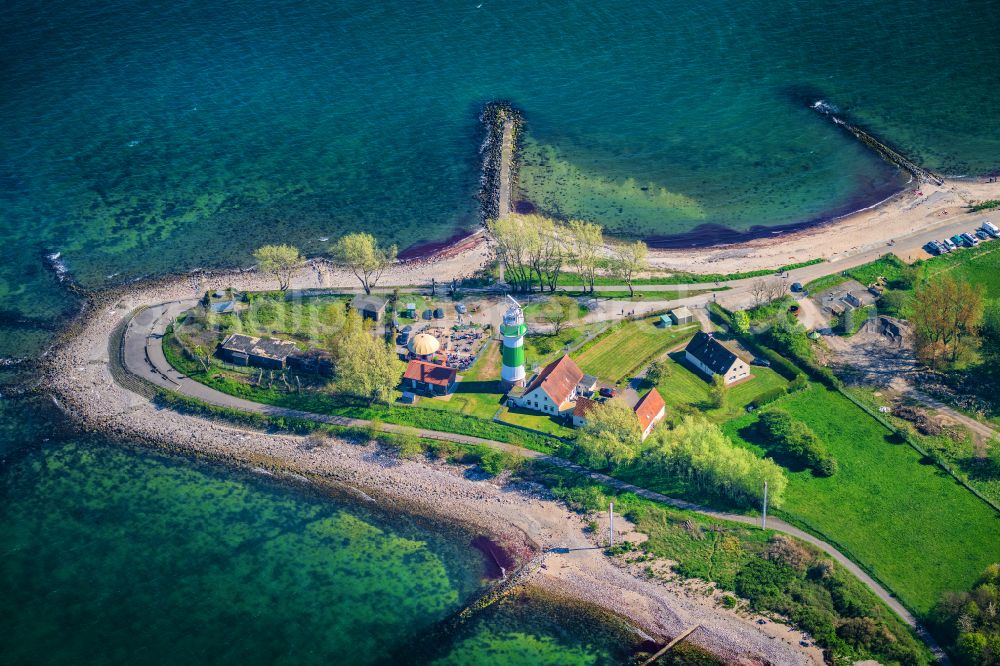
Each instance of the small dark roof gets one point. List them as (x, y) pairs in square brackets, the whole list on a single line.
[(711, 352), (368, 303), (261, 347), (430, 373)]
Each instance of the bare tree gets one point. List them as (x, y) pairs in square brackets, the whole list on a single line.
[(758, 290)]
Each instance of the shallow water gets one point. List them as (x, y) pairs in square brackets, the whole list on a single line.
[(115, 554), (143, 138)]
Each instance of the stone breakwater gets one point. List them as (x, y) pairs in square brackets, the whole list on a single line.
[(522, 517), (503, 124)]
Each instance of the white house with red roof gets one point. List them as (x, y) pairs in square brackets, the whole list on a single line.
[(553, 390), (650, 410)]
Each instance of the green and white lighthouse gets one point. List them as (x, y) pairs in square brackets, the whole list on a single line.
[(513, 329)]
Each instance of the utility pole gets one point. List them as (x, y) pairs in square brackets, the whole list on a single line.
[(611, 525), (763, 516)]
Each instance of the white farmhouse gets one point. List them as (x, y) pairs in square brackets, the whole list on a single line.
[(714, 358)]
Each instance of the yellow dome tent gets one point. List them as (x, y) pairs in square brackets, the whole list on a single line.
[(424, 344)]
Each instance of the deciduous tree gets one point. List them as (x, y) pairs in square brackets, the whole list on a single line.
[(557, 311), (944, 313), (366, 366), (587, 243), (611, 434), (280, 261), (629, 259), (362, 254)]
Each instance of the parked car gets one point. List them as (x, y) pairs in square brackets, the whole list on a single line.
[(762, 362), (958, 240), (439, 313), (608, 391), (796, 286), (982, 234), (933, 248), (970, 240), (949, 244), (991, 229), (428, 314), (461, 309)]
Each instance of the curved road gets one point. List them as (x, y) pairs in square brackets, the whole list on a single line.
[(143, 356)]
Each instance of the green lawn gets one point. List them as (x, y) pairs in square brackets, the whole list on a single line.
[(684, 388), (540, 349), (979, 266), (914, 527), (628, 347), (536, 421), (478, 393)]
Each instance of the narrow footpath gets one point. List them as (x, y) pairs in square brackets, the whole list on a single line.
[(143, 356)]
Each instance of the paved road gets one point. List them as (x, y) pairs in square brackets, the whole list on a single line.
[(144, 357)]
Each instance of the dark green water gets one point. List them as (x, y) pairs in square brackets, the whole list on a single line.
[(115, 555)]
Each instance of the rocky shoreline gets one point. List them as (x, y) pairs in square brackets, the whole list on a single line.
[(519, 516)]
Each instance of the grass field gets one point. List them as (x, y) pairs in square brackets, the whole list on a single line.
[(628, 348), (686, 389), (979, 266), (909, 523)]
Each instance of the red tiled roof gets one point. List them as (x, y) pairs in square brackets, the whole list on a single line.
[(583, 406), (648, 408), (430, 373), (558, 380)]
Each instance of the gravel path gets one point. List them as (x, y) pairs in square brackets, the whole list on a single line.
[(79, 376)]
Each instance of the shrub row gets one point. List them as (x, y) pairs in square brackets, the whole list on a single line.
[(797, 441)]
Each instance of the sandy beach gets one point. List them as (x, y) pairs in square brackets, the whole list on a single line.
[(903, 215), (519, 515)]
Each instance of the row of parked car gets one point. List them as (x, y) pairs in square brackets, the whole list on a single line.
[(985, 232)]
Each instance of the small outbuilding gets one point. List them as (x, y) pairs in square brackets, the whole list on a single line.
[(429, 378), (587, 386), (681, 315), (313, 361), (370, 307), (666, 321), (247, 350)]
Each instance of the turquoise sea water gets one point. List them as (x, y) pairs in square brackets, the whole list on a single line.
[(139, 138), (115, 555), (144, 138)]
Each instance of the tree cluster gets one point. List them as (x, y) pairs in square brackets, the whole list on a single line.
[(946, 315), (535, 250), (796, 440), (610, 436), (366, 366), (698, 451), (971, 620)]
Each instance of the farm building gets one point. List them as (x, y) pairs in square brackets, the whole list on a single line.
[(587, 386), (553, 390), (583, 407), (714, 358), (429, 378), (650, 410), (314, 361), (369, 307), (257, 352), (681, 315)]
